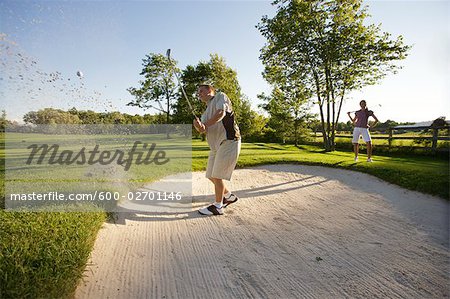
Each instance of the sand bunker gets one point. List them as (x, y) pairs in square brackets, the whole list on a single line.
[(296, 232)]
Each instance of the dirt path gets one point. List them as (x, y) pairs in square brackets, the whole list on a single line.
[(297, 232)]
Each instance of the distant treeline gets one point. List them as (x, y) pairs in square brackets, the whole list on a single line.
[(88, 117), (265, 129)]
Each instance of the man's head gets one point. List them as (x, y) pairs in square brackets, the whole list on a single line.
[(205, 92)]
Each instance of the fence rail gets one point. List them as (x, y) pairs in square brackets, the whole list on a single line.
[(443, 138), (434, 139), (391, 136)]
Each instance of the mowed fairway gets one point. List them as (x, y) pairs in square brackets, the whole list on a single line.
[(297, 232)]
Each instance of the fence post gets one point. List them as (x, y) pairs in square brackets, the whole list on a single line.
[(390, 138), (435, 139)]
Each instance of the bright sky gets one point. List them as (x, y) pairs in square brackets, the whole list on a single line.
[(44, 44)]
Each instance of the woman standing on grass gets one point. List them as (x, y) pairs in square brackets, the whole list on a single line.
[(361, 123)]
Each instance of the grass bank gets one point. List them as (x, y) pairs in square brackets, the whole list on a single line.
[(425, 174), (43, 255)]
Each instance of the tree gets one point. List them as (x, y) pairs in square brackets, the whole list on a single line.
[(280, 119), (224, 79), (384, 126), (216, 71), (287, 111), (325, 47), (344, 127), (191, 77), (158, 87), (251, 124), (3, 121), (291, 97), (50, 116)]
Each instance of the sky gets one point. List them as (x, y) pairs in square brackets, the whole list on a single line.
[(43, 44)]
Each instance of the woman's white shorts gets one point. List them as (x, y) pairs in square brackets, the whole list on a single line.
[(358, 132)]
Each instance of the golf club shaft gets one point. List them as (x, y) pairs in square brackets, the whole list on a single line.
[(180, 85), (379, 105)]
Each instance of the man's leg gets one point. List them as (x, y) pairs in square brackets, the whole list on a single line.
[(219, 188), (225, 190), (228, 197), (220, 167), (217, 207)]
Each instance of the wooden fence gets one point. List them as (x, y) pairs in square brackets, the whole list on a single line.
[(434, 138)]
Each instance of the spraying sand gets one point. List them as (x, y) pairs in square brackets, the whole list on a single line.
[(296, 232)]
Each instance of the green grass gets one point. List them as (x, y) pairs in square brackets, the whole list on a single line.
[(426, 174), (405, 143), (43, 255)]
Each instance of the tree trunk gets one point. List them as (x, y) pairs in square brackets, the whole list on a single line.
[(168, 116), (328, 147), (337, 116), (296, 121), (333, 128), (322, 119), (324, 133)]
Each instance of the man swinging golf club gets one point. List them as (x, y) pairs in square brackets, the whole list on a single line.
[(224, 141)]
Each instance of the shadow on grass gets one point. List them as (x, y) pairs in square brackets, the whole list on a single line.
[(200, 148), (340, 162), (264, 145)]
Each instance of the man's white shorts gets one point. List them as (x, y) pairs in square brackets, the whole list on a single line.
[(221, 163), (364, 132)]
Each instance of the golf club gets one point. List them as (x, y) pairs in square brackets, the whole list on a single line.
[(181, 86), (379, 105)]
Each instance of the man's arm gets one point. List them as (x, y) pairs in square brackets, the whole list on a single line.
[(199, 126), (215, 118)]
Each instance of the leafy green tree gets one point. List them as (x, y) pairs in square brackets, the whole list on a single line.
[(224, 79), (326, 47), (287, 107), (50, 116), (3, 121), (344, 127), (86, 117), (191, 77), (280, 119), (158, 88), (115, 117), (135, 119), (251, 124), (216, 71), (384, 126)]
